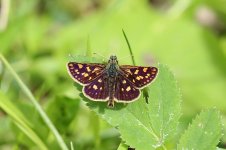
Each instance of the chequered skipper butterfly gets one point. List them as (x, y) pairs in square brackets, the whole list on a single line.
[(111, 82)]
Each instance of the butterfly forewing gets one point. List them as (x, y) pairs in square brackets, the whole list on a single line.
[(97, 89), (125, 90), (139, 76), (84, 73)]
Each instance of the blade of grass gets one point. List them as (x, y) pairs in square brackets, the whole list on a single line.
[(145, 90), (4, 14), (20, 120), (35, 103), (130, 50), (72, 146)]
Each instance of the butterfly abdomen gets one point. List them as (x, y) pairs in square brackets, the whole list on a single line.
[(112, 72)]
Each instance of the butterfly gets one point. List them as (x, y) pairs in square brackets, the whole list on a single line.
[(111, 82)]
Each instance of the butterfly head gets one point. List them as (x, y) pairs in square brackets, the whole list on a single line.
[(113, 60)]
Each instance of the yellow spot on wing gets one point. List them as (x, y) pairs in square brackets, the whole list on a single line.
[(128, 70), (99, 80), (122, 89), (88, 69), (141, 77), (76, 70), (133, 81), (80, 66), (128, 88), (96, 69), (145, 69), (95, 87), (136, 72), (101, 88), (138, 78), (86, 75), (70, 65), (124, 81), (97, 73), (154, 69)]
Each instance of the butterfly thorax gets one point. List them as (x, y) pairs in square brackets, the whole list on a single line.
[(112, 70), (112, 67)]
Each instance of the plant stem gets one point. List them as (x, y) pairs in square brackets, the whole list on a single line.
[(88, 47), (36, 104), (130, 50), (72, 146)]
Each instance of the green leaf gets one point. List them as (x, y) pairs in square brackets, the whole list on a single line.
[(146, 126), (204, 132)]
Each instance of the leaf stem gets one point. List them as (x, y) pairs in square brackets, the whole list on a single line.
[(35, 103), (130, 50), (88, 47)]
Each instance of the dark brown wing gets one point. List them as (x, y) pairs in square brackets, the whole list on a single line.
[(125, 90), (84, 73), (98, 89), (139, 76)]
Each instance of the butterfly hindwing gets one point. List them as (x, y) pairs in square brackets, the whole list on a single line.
[(139, 76), (125, 90), (97, 90), (84, 73)]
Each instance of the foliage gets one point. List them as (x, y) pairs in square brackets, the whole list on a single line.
[(203, 133), (189, 36), (146, 126)]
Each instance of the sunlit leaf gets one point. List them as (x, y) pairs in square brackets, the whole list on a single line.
[(203, 133), (146, 126)]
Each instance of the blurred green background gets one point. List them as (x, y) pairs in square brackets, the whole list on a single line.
[(36, 37)]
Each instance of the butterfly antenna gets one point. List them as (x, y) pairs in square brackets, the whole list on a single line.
[(124, 57), (100, 55), (71, 56)]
